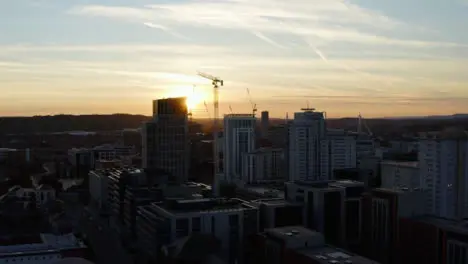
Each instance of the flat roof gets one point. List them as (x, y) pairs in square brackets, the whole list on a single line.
[(446, 224), (203, 205), (332, 255), (289, 232), (263, 190), (318, 184), (409, 164)]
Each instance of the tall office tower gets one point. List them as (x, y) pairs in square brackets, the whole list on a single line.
[(165, 139), (239, 138), (341, 148), (265, 124), (443, 164), (306, 136)]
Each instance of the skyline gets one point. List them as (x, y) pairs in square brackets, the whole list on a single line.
[(343, 57)]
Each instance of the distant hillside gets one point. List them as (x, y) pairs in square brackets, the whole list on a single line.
[(61, 123)]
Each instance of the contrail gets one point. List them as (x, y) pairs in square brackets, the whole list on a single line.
[(268, 40), (165, 29)]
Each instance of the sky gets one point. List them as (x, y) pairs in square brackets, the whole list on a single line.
[(380, 58)]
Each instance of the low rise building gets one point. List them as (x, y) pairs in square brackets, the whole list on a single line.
[(41, 249), (324, 207), (299, 245), (276, 212), (41, 195), (229, 220)]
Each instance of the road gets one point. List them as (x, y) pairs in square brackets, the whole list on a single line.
[(103, 240)]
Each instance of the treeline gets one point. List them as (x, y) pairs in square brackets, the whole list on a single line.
[(63, 123)]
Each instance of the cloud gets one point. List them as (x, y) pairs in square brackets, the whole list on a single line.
[(124, 48), (327, 20), (268, 40), (165, 29)]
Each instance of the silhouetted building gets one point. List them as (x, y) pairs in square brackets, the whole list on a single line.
[(277, 212), (165, 139), (433, 240), (324, 207), (239, 138), (382, 209), (299, 245), (229, 220)]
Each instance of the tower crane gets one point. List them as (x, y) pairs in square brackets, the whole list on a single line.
[(362, 122), (216, 82), (254, 106)]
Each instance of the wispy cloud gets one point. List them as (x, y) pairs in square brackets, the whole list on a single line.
[(165, 29), (268, 40), (125, 48), (328, 20)]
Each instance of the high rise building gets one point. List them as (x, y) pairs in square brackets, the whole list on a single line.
[(263, 165), (165, 139), (239, 138), (306, 146), (341, 148), (443, 164), (265, 123)]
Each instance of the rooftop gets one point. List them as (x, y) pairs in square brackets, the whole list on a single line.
[(317, 184), (409, 164), (276, 202), (295, 232), (347, 183), (460, 227), (399, 190), (263, 191), (203, 205), (331, 255), (265, 150), (41, 243)]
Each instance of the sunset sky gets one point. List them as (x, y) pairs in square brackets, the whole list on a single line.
[(377, 57)]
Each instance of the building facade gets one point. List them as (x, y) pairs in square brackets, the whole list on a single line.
[(239, 138), (396, 174), (306, 146), (229, 220), (341, 150), (263, 165), (165, 139), (443, 163)]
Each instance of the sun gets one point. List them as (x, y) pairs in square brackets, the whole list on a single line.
[(195, 96)]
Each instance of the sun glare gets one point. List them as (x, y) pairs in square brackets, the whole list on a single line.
[(195, 97)]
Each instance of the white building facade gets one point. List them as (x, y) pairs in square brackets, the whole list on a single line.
[(239, 138), (443, 162), (306, 146)]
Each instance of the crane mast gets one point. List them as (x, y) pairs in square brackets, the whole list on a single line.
[(254, 105), (216, 82)]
